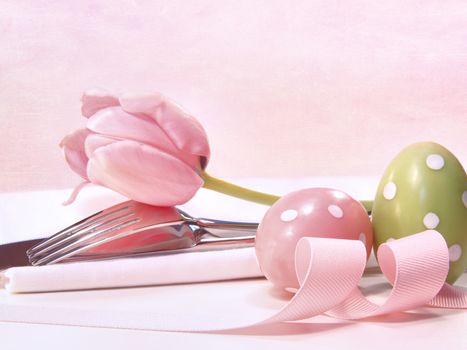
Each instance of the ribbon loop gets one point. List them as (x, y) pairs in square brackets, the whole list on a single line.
[(328, 270), (416, 265)]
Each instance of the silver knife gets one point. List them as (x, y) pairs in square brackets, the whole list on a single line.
[(14, 254)]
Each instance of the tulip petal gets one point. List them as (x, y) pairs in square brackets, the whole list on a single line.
[(117, 123), (95, 141), (73, 150), (95, 99), (143, 173), (183, 129), (140, 103)]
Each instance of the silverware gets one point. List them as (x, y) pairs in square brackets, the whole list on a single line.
[(129, 229), (14, 254)]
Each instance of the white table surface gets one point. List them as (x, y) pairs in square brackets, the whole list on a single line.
[(426, 328)]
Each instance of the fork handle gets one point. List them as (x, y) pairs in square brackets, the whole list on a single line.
[(210, 239), (226, 225)]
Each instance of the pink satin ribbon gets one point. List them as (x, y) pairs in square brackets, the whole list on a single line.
[(328, 270)]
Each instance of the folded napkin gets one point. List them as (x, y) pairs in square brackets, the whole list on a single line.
[(130, 272)]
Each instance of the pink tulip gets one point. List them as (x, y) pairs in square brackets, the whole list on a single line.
[(145, 147)]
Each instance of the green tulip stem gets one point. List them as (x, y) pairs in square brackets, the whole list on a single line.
[(233, 190), (218, 185)]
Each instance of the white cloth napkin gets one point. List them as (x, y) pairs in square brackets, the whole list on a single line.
[(130, 272)]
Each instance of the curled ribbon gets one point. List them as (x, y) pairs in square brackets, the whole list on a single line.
[(328, 271)]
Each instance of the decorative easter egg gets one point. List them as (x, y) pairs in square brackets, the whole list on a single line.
[(424, 187), (315, 212)]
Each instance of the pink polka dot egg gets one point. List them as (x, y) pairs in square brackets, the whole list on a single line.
[(313, 212)]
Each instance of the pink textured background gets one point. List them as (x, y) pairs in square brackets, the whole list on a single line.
[(283, 88)]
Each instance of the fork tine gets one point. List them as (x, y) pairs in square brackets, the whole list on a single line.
[(73, 248), (76, 234), (82, 224), (88, 242), (59, 234)]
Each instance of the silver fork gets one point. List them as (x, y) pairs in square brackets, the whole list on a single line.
[(132, 228)]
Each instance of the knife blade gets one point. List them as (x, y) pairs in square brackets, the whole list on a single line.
[(14, 254)]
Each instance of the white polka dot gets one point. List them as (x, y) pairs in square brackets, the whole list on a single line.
[(455, 252), (390, 190), (464, 198), (335, 211), (435, 161), (389, 240), (362, 238), (431, 220), (289, 215)]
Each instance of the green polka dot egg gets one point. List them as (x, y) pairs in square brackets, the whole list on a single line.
[(424, 187)]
